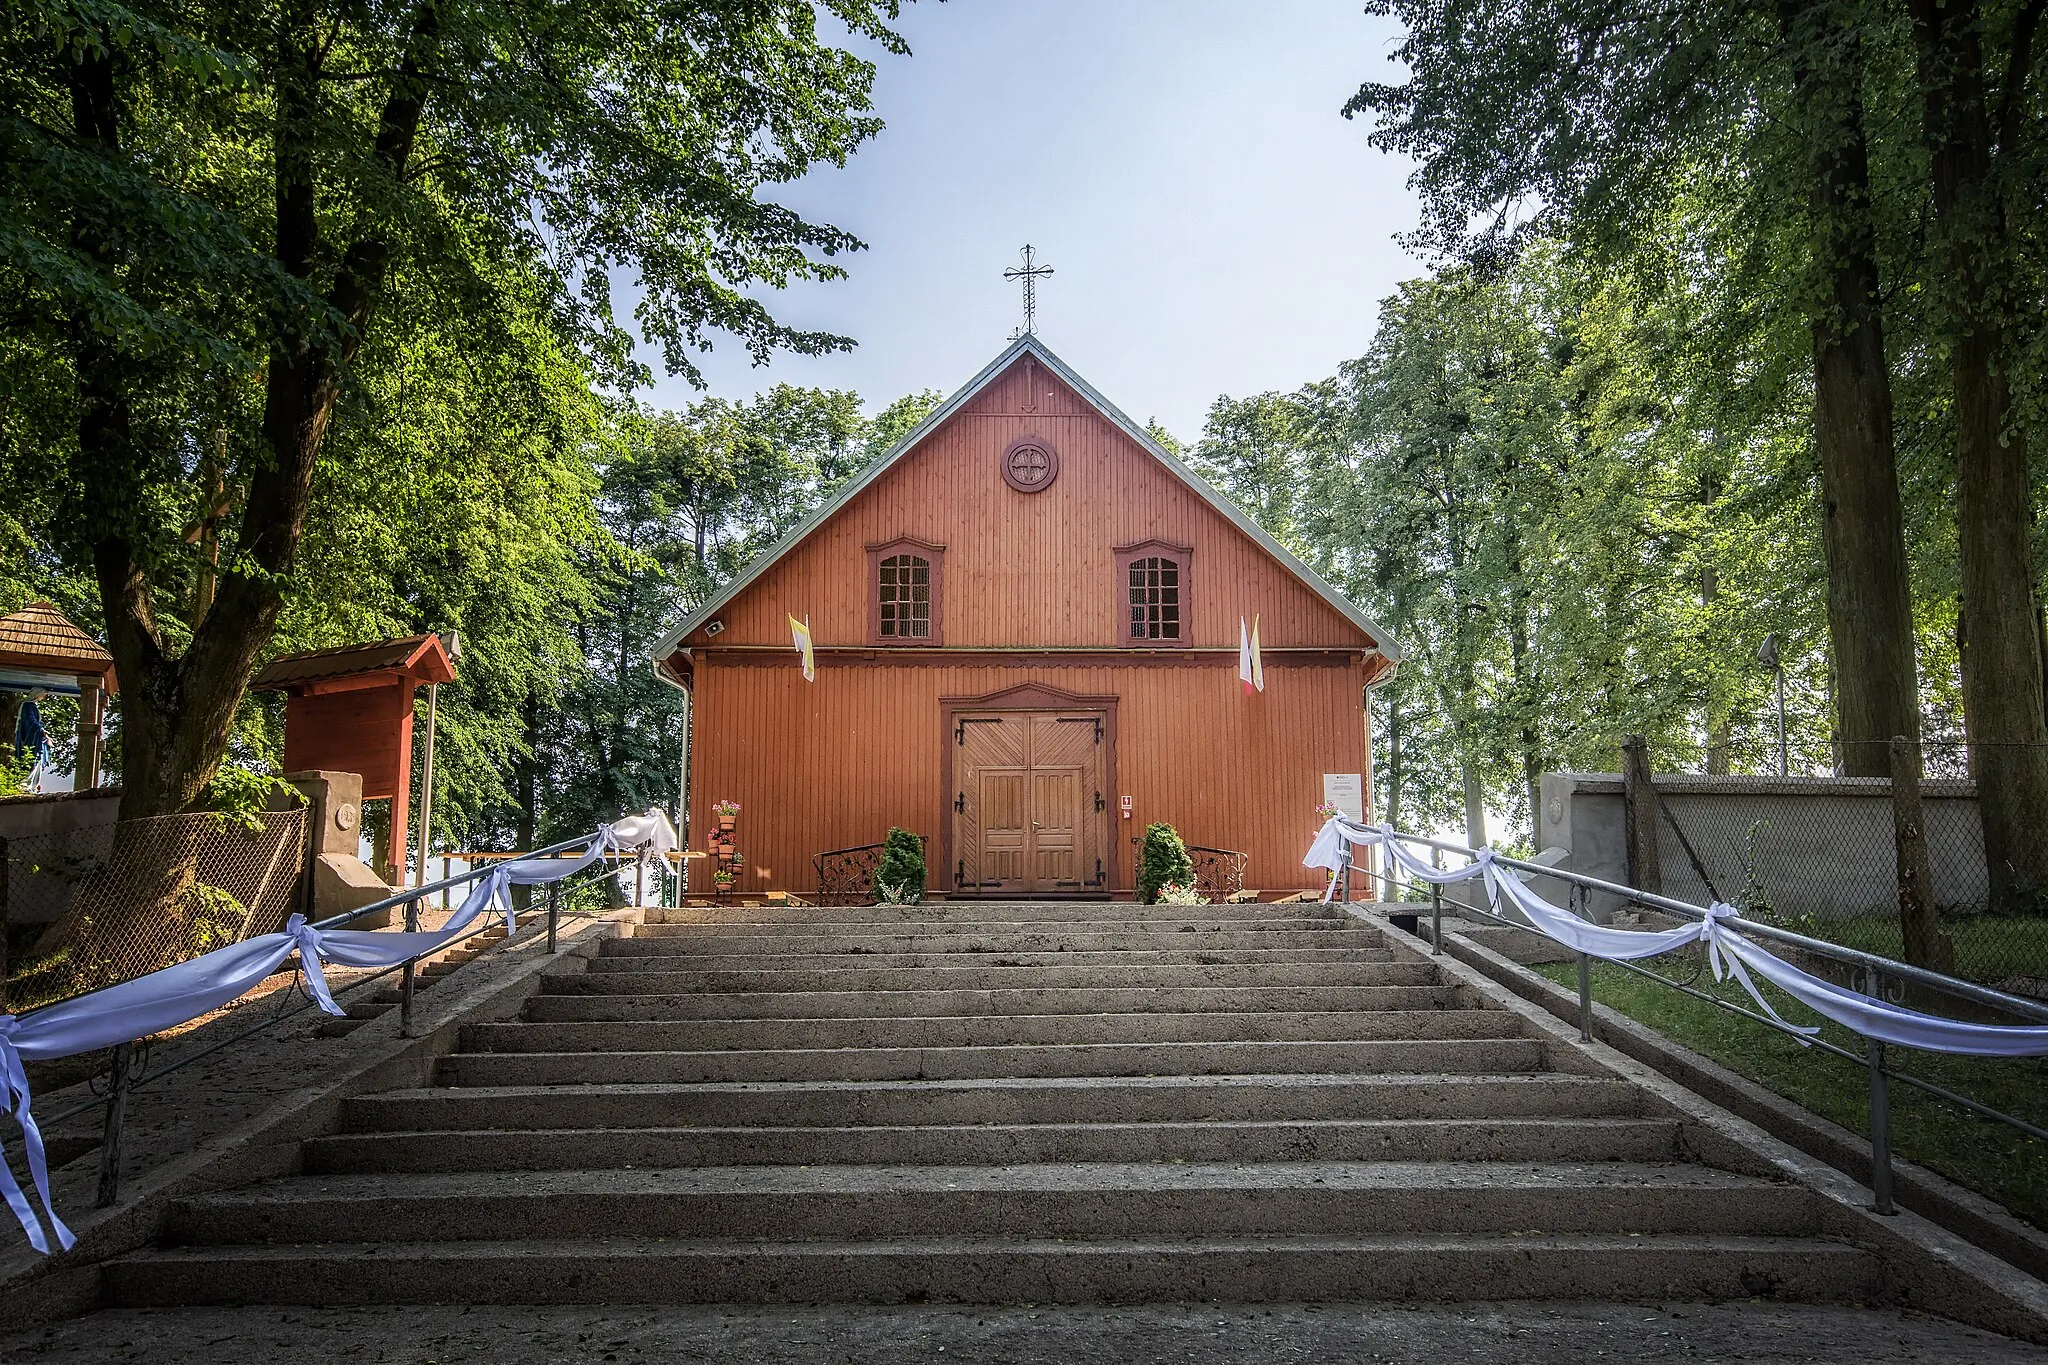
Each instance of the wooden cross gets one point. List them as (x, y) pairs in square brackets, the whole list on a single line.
[(1030, 275)]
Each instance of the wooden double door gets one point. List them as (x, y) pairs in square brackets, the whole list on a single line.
[(1030, 803)]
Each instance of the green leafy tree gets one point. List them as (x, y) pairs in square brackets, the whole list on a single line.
[(216, 223), (900, 875), (1162, 860), (1593, 119)]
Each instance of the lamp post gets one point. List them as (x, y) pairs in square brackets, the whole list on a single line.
[(1768, 654)]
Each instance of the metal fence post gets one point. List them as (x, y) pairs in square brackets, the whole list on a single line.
[(5, 876), (1880, 1117), (405, 985), (1436, 918), (110, 1129), (1585, 972), (554, 911)]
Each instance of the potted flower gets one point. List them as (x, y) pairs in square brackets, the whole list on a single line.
[(728, 813), (722, 878)]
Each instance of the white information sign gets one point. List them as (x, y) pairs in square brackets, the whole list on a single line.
[(1345, 791)]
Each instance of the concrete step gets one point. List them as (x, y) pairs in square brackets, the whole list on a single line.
[(686, 939), (961, 912), (1545, 1139), (661, 954), (633, 976), (548, 1008), (1185, 923), (1019, 1100), (1488, 1056), (795, 1203), (973, 1269), (706, 1035)]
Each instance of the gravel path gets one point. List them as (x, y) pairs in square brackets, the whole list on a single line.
[(1465, 1334)]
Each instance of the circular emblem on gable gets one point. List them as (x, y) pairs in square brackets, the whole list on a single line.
[(1030, 465)]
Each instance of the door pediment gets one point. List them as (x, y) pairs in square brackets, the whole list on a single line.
[(1030, 696)]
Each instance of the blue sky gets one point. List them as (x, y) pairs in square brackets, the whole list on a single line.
[(1214, 225)]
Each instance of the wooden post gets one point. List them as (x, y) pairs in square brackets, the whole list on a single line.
[(1926, 944), (91, 707), (1639, 815)]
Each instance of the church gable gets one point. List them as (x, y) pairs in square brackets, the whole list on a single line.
[(1016, 518)]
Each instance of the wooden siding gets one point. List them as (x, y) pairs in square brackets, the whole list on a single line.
[(1031, 569), (834, 763)]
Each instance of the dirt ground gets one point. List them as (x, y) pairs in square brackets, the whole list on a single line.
[(1465, 1334)]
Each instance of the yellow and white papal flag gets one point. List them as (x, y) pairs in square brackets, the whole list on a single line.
[(800, 631)]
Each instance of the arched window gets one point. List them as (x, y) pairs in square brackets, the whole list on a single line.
[(906, 597), (1154, 580), (903, 592), (1155, 598)]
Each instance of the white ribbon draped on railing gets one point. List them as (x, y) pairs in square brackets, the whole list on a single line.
[(164, 999), (1730, 953)]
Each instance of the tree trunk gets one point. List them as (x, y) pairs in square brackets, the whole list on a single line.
[(1475, 807), (1720, 727), (1639, 816), (1926, 944), (1870, 619), (2001, 659), (178, 710)]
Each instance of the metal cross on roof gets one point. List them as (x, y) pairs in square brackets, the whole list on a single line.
[(1030, 275)]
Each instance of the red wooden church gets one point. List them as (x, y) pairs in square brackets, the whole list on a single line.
[(1026, 620)]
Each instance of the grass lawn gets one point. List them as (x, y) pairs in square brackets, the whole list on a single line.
[(1988, 1157), (1992, 949)]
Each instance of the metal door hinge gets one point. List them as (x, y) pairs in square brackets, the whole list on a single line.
[(1095, 721), (960, 726)]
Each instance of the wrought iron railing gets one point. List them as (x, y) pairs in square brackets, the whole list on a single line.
[(1219, 872), (846, 876)]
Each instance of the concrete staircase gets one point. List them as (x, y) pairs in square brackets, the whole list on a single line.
[(432, 971), (1050, 1102)]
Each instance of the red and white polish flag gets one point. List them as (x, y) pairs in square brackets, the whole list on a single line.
[(1251, 671)]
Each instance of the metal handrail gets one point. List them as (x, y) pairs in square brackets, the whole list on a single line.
[(1854, 957), (1875, 966), (120, 1083)]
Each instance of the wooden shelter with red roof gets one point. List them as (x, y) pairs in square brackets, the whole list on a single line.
[(42, 651), (350, 710)]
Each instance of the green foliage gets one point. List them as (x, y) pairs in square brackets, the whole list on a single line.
[(14, 770), (241, 793), (1162, 859), (382, 240), (1558, 517), (1646, 179), (684, 501), (899, 876)]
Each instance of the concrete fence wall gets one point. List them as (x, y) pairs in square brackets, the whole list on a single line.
[(1821, 845)]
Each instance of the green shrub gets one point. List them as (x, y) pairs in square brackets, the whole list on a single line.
[(1162, 858), (899, 877)]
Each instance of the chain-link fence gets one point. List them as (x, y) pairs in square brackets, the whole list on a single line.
[(1822, 856), (85, 908)]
